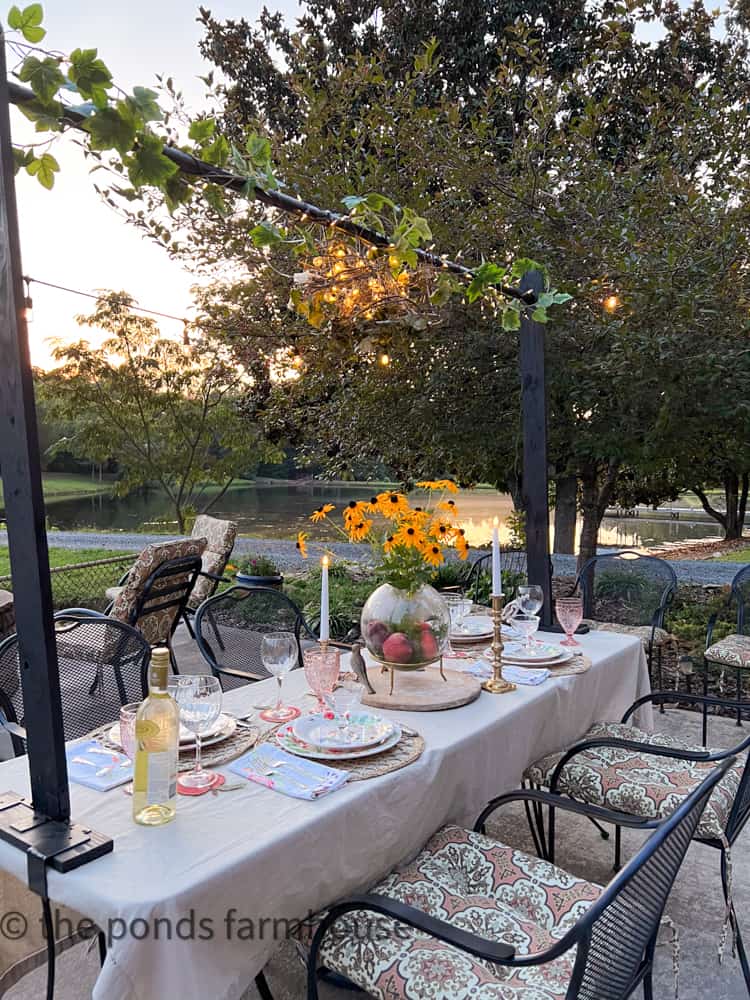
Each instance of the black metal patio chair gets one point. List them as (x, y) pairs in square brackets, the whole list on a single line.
[(103, 665), (733, 651), (230, 626), (629, 593), (471, 917), (512, 567), (623, 768)]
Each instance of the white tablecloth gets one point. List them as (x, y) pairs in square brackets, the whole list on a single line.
[(231, 864)]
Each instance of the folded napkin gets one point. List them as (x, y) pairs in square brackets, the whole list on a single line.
[(95, 766), (518, 675), (286, 773)]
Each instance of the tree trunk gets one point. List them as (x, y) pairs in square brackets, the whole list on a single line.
[(566, 496), (180, 520), (595, 499), (732, 519)]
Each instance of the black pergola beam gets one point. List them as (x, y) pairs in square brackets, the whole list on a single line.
[(211, 174)]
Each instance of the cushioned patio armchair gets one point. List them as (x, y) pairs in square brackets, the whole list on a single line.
[(629, 593), (646, 775), (471, 917), (733, 651)]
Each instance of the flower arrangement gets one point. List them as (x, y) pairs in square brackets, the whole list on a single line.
[(408, 542)]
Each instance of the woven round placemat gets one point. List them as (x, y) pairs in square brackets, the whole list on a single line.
[(407, 750), (578, 665)]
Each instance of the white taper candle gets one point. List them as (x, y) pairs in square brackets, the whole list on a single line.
[(324, 612), (497, 580)]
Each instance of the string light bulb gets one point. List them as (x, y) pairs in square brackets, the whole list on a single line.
[(28, 302), (384, 360), (611, 303)]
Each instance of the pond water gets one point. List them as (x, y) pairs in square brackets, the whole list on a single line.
[(280, 510)]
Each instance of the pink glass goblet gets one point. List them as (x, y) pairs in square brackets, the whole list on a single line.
[(321, 671), (569, 611)]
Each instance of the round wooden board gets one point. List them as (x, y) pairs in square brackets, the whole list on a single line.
[(421, 690)]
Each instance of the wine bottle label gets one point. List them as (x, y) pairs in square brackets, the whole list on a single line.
[(146, 729), (161, 778)]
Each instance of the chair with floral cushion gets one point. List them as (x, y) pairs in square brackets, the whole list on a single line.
[(620, 767), (157, 588), (733, 651), (629, 593), (471, 917), (220, 538)]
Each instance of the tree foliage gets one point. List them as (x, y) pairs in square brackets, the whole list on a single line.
[(166, 412)]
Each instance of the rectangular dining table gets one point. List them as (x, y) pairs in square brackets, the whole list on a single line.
[(197, 907)]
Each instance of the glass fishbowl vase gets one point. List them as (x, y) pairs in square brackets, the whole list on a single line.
[(406, 631)]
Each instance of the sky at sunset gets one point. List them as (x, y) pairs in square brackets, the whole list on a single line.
[(68, 236)]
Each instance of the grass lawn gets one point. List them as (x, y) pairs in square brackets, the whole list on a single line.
[(63, 486), (79, 588), (738, 556)]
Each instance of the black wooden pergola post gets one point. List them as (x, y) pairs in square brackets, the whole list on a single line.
[(41, 828), (534, 421)]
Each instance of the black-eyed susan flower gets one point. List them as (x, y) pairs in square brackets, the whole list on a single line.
[(354, 511), (441, 530), (449, 506), (410, 536), (388, 544), (321, 513), (359, 529), (301, 544), (448, 485), (429, 484), (392, 505), (432, 554)]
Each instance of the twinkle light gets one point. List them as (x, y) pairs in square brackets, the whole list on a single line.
[(384, 360), (611, 303)]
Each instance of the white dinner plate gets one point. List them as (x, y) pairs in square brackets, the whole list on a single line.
[(541, 655), (222, 729), (473, 629), (320, 732), (286, 740)]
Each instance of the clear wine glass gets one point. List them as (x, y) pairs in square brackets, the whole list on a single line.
[(344, 702), (199, 699), (278, 651), (526, 625), (569, 611), (457, 613), (127, 728), (531, 598)]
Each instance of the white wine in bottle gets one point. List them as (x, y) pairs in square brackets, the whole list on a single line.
[(157, 737)]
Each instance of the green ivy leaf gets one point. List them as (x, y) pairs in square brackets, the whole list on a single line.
[(28, 21), (539, 314), (148, 165), (265, 234), (202, 129), (21, 158), (511, 318), (44, 169), (524, 264), (111, 129), (143, 103), (90, 75), (44, 76), (485, 276), (46, 116), (259, 150), (176, 191), (217, 152), (559, 297), (214, 195)]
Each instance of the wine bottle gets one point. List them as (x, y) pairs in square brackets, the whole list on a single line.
[(157, 736)]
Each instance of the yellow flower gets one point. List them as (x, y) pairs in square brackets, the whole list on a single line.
[(429, 484), (433, 555), (301, 544), (441, 530), (354, 511), (410, 536), (449, 506), (388, 544), (438, 484), (320, 513), (416, 516), (358, 529), (462, 546), (392, 504)]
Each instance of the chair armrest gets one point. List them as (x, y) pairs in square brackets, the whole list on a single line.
[(619, 744), (667, 697), (491, 951), (214, 576), (557, 801), (241, 674)]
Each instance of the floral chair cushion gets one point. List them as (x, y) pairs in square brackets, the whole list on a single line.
[(481, 886), (660, 635), (157, 626), (639, 783), (732, 651), (220, 536)]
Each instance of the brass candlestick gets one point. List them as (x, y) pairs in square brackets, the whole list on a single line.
[(497, 684)]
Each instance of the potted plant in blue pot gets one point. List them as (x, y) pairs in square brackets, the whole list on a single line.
[(258, 571)]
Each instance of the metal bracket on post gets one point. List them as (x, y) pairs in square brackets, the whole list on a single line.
[(47, 843)]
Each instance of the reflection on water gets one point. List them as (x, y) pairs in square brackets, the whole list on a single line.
[(279, 511)]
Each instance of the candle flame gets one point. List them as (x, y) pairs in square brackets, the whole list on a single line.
[(495, 522), (324, 561)]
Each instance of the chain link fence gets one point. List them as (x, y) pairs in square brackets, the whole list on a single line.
[(83, 585)]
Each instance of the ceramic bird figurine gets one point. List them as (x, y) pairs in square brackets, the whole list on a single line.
[(359, 666)]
